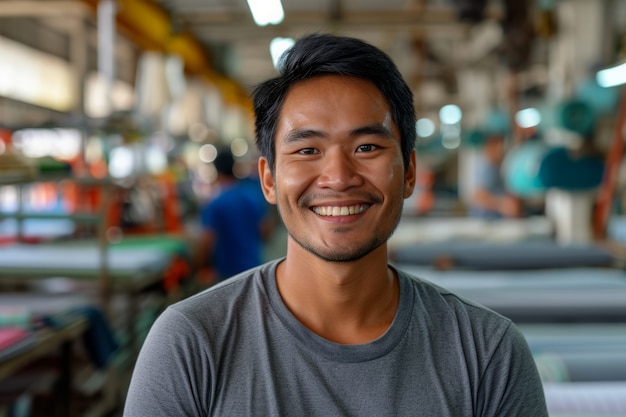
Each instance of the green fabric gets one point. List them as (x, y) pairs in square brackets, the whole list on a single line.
[(165, 243)]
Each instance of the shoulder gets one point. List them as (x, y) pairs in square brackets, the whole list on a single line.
[(229, 290), (485, 168), (220, 302), (465, 313), (466, 324), (214, 319)]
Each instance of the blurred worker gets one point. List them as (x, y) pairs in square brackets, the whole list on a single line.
[(490, 198), (235, 224)]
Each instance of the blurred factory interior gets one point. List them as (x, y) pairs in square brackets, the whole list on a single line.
[(111, 113)]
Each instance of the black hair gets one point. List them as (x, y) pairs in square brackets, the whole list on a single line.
[(324, 54), (224, 161)]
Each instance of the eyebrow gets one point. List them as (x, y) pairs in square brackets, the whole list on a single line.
[(299, 134), (372, 129)]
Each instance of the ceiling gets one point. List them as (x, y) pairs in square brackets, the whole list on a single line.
[(450, 51), (429, 40)]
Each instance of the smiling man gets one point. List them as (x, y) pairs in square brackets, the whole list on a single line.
[(332, 329)]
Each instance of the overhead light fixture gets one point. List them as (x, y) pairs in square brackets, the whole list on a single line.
[(528, 118), (278, 46), (266, 12), (612, 77)]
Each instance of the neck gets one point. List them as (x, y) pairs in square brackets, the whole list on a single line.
[(349, 303)]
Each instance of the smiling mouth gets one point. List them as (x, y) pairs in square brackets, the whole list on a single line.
[(335, 211)]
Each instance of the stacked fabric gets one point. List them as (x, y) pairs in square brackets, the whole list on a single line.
[(14, 167), (14, 340)]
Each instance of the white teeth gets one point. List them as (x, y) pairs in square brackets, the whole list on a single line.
[(340, 210)]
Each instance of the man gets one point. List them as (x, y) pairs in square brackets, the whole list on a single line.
[(235, 224), (332, 329), (490, 199)]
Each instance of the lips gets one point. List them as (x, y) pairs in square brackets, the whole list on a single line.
[(336, 211)]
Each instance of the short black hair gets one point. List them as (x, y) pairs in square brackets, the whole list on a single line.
[(224, 161), (325, 54)]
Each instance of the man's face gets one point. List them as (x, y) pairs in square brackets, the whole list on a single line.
[(339, 180)]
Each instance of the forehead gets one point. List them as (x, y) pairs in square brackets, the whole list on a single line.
[(334, 95)]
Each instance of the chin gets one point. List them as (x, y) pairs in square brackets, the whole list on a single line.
[(344, 256)]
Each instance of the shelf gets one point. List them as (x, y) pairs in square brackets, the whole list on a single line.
[(14, 177), (78, 217), (8, 178)]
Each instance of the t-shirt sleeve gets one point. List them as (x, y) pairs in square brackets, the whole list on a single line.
[(511, 385), (171, 374)]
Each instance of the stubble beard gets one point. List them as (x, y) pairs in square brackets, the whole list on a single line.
[(347, 253)]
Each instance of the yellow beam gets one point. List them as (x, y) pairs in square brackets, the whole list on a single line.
[(150, 27)]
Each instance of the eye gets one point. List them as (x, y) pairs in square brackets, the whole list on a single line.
[(366, 148), (308, 151)]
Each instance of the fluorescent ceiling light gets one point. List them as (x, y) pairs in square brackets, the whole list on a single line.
[(278, 46), (266, 12), (529, 117), (612, 77)]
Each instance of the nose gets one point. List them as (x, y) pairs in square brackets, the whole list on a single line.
[(339, 171)]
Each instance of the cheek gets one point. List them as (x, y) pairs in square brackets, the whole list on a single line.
[(396, 171), (398, 178), (293, 180)]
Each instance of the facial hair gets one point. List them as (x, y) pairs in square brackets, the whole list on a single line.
[(349, 253)]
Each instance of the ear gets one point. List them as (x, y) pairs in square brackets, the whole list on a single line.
[(267, 181), (410, 176)]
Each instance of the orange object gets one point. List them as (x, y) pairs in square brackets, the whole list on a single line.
[(611, 172)]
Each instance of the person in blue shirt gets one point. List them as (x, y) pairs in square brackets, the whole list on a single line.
[(235, 224)]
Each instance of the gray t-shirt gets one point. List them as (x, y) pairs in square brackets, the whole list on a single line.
[(236, 350)]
